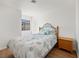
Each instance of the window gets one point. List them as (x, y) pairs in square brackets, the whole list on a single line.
[(25, 23)]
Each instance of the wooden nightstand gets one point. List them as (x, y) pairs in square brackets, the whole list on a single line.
[(6, 53), (65, 43)]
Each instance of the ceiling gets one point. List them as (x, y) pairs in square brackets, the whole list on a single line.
[(47, 6), (48, 3)]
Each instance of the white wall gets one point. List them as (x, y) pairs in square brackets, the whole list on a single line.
[(9, 22), (77, 23), (56, 12)]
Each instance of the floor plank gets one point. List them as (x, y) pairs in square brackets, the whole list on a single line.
[(59, 53)]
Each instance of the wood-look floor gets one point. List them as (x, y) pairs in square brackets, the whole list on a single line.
[(58, 53)]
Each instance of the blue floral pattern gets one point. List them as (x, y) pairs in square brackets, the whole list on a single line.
[(36, 48)]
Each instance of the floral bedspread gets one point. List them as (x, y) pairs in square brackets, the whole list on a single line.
[(36, 47)]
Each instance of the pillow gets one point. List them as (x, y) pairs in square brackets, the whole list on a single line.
[(42, 31), (47, 31), (26, 35)]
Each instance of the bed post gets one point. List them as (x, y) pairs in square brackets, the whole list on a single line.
[(57, 29), (57, 33)]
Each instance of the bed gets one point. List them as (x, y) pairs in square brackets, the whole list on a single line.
[(34, 45)]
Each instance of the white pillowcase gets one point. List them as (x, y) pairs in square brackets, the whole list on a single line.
[(27, 35)]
